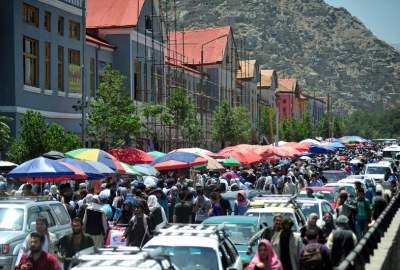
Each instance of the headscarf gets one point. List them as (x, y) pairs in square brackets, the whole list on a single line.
[(241, 198), (310, 217), (152, 202), (273, 261)]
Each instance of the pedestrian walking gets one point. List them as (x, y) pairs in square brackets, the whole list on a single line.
[(265, 258), (241, 203), (36, 258), (140, 229), (71, 244), (314, 256), (341, 241)]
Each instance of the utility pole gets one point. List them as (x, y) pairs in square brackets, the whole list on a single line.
[(83, 74)]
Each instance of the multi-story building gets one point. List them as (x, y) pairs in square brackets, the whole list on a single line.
[(267, 86), (42, 52), (248, 76)]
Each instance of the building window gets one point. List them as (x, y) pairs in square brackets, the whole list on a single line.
[(60, 26), (31, 59), (74, 30), (47, 21), (31, 15), (47, 65), (284, 101), (138, 81), (148, 23), (284, 110), (74, 71), (60, 70), (92, 77)]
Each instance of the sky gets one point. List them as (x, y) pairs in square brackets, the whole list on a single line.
[(382, 17)]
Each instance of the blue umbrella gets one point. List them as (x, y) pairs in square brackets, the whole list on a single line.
[(145, 169), (336, 145), (103, 169), (84, 166), (44, 169), (178, 160), (321, 149)]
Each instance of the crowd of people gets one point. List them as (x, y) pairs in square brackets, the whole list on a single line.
[(193, 196)]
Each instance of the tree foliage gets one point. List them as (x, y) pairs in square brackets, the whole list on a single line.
[(230, 125), (296, 129), (267, 122), (370, 124), (38, 137), (5, 133), (112, 115)]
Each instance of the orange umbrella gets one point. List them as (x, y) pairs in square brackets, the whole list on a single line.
[(246, 158), (266, 151), (302, 147), (289, 152)]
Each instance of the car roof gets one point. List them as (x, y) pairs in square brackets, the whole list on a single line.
[(183, 241), (333, 171), (272, 210), (311, 200), (231, 219), (386, 165), (339, 184), (323, 188), (27, 201)]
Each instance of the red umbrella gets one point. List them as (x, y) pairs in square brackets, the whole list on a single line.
[(245, 157), (302, 147), (290, 151), (131, 155), (266, 151)]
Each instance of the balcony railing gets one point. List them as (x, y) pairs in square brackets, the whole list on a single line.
[(75, 3)]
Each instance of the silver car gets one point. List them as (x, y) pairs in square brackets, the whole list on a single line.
[(17, 220)]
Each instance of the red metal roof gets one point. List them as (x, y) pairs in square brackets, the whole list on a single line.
[(98, 41), (113, 13), (189, 43), (287, 85)]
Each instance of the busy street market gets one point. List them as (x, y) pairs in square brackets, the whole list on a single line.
[(295, 205)]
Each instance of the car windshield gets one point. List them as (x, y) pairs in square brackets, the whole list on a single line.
[(269, 217), (334, 176), (309, 208), (240, 233), (11, 219), (376, 170), (351, 191), (201, 258)]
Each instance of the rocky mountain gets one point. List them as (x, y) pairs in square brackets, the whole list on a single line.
[(396, 46), (327, 49)]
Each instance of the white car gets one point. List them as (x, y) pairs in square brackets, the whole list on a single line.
[(378, 171), (198, 247), (318, 206), (350, 188)]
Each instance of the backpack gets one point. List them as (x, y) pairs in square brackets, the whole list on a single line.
[(312, 258)]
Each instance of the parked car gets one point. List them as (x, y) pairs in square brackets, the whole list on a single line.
[(326, 193), (265, 207), (197, 246), (122, 258), (232, 195), (318, 206), (18, 219), (349, 187), (240, 230), (378, 171)]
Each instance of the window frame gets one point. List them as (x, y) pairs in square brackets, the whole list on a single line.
[(47, 21), (47, 65), (34, 57), (74, 58), (60, 69), (61, 221), (34, 21), (74, 30), (60, 25)]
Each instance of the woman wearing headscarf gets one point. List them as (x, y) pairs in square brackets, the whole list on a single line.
[(157, 213), (241, 203), (265, 258), (312, 224)]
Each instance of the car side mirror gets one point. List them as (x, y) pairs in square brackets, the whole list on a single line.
[(32, 226)]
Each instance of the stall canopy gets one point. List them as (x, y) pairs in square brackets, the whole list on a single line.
[(321, 149), (131, 155)]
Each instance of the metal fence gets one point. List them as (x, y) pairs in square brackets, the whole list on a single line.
[(361, 254)]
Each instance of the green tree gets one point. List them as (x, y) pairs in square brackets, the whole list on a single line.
[(337, 128), (222, 124), (112, 116), (267, 120), (323, 128), (184, 116), (5, 133), (230, 125), (38, 137)]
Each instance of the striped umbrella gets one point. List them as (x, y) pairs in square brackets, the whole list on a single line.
[(178, 160), (97, 155), (156, 154), (42, 170)]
